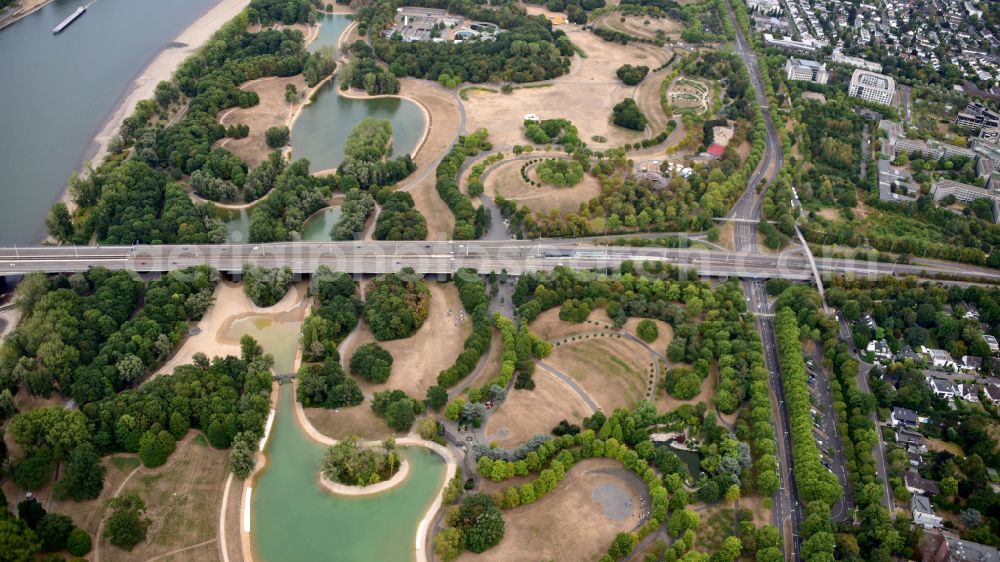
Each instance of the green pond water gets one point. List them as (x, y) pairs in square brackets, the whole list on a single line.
[(320, 131), (279, 338), (317, 228), (293, 518)]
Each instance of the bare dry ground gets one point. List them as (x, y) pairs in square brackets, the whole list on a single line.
[(88, 514), (357, 420), (613, 371), (417, 360), (636, 25), (549, 327), (585, 95), (272, 111), (527, 412), (666, 333), (530, 535), (209, 335), (506, 180), (443, 126)]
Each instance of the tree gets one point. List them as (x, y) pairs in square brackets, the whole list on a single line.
[(243, 456), (84, 475), (396, 305), (265, 287), (732, 493), (437, 396), (371, 362), (31, 512), (59, 223), (53, 427), (79, 543), (277, 137), (632, 75), (627, 114), (126, 526), (154, 448), (53, 530), (480, 522), (622, 546), (17, 541), (647, 330), (949, 486), (448, 544), (970, 517)]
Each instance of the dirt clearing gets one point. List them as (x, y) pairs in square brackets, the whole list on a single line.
[(357, 420), (272, 111), (527, 412)]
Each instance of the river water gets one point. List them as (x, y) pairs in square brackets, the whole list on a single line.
[(56, 91), (293, 518)]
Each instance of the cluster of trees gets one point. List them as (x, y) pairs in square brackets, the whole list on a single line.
[(396, 408), (818, 487), (553, 131), (470, 223), (627, 114), (475, 525), (560, 173), (264, 286), (520, 348), (396, 305), (353, 464), (324, 385), (364, 73), (632, 75), (472, 292), (525, 50), (399, 218), (277, 137), (32, 530), (295, 197), (82, 335), (576, 10), (371, 362), (647, 330), (354, 212), (335, 313), (365, 156)]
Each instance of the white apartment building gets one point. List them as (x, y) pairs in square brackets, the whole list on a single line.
[(869, 86), (809, 70)]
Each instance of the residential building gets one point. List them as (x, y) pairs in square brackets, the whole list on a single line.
[(895, 185), (917, 484), (880, 350), (968, 392), (967, 194), (903, 417), (992, 342), (978, 116), (923, 512), (806, 45), (940, 359), (992, 392), (907, 353), (869, 86), (942, 388), (809, 70), (970, 364), (912, 441), (954, 549), (857, 62)]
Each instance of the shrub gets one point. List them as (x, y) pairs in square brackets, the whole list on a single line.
[(54, 530), (79, 542), (647, 330), (265, 287), (560, 173), (372, 362), (396, 305), (632, 75), (627, 114), (277, 137), (396, 408)]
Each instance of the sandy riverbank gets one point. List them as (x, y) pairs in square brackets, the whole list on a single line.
[(26, 8), (162, 68)]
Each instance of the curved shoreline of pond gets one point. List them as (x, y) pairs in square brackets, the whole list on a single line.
[(368, 490)]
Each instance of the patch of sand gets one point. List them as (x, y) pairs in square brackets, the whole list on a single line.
[(417, 360), (506, 180), (613, 371), (755, 503), (272, 111), (529, 535), (231, 303), (585, 95), (527, 412), (637, 26)]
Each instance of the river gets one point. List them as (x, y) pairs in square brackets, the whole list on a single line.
[(293, 518), (58, 90)]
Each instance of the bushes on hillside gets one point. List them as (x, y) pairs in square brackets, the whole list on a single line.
[(396, 408), (472, 292), (324, 385), (626, 114), (396, 305), (371, 362), (399, 219), (265, 287), (632, 75)]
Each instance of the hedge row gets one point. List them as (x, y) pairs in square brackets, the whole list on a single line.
[(472, 292), (469, 223)]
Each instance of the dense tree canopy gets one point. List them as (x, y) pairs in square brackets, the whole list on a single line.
[(396, 305)]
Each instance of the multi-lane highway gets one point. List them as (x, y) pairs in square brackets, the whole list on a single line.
[(446, 257)]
